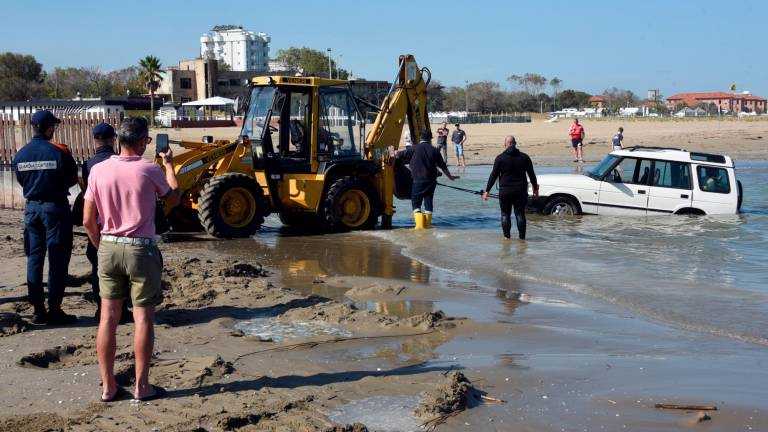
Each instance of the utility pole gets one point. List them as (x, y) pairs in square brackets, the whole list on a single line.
[(330, 71), (466, 96)]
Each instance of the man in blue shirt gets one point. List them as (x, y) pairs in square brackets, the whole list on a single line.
[(46, 171)]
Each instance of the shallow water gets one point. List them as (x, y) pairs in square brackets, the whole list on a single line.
[(381, 413), (273, 329), (705, 274)]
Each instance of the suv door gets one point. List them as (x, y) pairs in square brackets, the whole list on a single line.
[(671, 187), (624, 189), (716, 189)]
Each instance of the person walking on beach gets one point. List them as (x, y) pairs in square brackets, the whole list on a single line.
[(458, 138), (442, 140), (104, 138), (576, 132), (618, 139), (123, 192), (510, 169), (46, 170), (424, 160)]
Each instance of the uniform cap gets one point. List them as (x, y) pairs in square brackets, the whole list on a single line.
[(103, 131), (44, 118)]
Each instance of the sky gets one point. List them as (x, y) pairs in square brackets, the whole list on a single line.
[(674, 46)]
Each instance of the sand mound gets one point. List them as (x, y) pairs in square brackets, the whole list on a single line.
[(244, 270), (427, 320), (11, 324), (375, 291), (50, 358), (452, 395)]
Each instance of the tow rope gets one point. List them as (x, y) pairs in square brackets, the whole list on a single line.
[(480, 192)]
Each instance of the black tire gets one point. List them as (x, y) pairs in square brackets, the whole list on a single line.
[(232, 206), (184, 219), (741, 195), (333, 211), (561, 206)]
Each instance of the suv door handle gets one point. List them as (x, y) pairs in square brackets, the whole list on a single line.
[(642, 192), (684, 196)]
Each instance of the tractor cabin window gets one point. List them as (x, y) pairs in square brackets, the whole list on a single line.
[(339, 119)]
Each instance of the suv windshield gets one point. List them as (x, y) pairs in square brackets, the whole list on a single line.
[(600, 169), (260, 104)]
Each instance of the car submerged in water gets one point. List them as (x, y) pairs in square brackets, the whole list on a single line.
[(644, 180)]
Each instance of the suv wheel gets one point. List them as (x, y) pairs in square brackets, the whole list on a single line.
[(561, 206)]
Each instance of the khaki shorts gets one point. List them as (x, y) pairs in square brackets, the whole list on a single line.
[(130, 269)]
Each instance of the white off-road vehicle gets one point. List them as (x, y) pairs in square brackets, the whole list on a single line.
[(644, 180)]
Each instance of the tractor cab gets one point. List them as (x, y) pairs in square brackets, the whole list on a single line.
[(302, 125)]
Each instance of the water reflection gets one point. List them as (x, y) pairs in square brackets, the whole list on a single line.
[(303, 262)]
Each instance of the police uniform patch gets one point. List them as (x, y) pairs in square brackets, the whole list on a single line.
[(36, 165)]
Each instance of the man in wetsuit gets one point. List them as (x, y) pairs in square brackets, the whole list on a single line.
[(510, 169), (424, 162)]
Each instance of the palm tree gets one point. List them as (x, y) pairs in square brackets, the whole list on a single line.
[(151, 70)]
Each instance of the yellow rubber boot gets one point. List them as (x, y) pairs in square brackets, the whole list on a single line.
[(427, 220), (418, 218)]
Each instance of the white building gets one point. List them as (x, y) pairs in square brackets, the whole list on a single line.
[(242, 50)]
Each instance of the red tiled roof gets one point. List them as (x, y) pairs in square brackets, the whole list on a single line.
[(693, 97), (597, 99)]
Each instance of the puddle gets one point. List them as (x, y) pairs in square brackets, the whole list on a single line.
[(381, 413), (277, 330)]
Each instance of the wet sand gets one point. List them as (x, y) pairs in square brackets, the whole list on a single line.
[(558, 366)]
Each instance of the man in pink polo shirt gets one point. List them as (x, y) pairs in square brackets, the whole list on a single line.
[(123, 190)]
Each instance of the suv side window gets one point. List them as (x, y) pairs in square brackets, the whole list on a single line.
[(631, 171), (676, 175), (713, 179)]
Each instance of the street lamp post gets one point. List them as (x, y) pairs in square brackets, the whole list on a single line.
[(466, 96), (330, 71)]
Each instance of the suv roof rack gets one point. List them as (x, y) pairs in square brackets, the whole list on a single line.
[(633, 148)]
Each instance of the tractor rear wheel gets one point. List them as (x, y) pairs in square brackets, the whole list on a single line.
[(350, 204), (232, 206)]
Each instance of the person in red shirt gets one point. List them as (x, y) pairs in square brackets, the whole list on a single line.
[(577, 140)]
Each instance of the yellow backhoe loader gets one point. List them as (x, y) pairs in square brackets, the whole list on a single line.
[(303, 153)]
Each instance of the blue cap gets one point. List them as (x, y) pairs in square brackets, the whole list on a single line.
[(44, 118), (103, 131)]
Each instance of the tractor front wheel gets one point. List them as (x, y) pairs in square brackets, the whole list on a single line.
[(232, 206), (350, 204)]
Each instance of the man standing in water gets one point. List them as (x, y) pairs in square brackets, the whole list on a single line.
[(510, 169), (576, 133), (424, 162)]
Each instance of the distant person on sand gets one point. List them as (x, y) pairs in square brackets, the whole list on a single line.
[(442, 140), (458, 138), (576, 133), (510, 169), (123, 192), (618, 139)]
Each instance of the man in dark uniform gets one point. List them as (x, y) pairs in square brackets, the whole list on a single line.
[(510, 169), (46, 170), (424, 160), (104, 137)]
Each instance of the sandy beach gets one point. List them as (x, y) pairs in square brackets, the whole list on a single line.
[(548, 144), (354, 332)]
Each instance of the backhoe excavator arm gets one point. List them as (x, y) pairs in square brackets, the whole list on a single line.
[(406, 102)]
